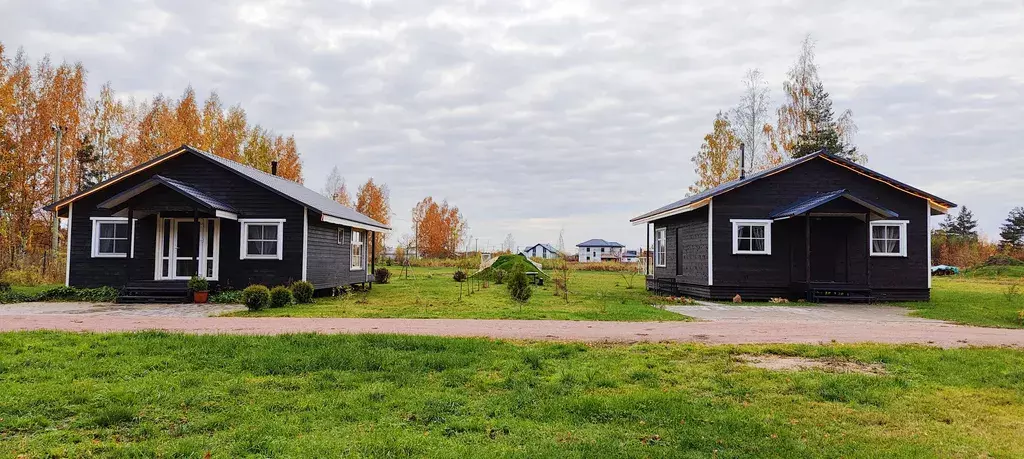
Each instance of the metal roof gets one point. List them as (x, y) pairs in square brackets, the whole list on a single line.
[(286, 188), (805, 205), (599, 243), (733, 184)]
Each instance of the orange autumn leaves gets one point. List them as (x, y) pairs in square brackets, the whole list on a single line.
[(440, 228), (113, 131)]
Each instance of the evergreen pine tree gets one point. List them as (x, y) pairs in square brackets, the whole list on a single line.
[(824, 133), (966, 226), (1011, 234)]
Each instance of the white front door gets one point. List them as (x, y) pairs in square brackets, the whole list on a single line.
[(180, 256)]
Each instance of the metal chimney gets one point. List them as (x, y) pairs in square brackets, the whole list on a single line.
[(743, 161), (273, 167)]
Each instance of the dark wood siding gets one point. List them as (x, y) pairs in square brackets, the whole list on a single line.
[(686, 253), (329, 260), (251, 200)]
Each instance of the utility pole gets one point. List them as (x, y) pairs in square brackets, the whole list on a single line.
[(55, 227)]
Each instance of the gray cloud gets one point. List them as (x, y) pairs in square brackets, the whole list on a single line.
[(536, 116)]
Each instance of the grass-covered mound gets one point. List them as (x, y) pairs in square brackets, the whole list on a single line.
[(509, 263)]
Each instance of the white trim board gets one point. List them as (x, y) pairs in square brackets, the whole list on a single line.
[(711, 245), (305, 240), (345, 222), (67, 255)]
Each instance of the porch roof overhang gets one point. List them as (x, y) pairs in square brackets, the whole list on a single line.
[(205, 201), (805, 205)]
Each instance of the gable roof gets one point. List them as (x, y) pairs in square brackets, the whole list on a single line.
[(805, 205), (700, 199), (599, 243), (183, 188), (288, 189), (546, 246)]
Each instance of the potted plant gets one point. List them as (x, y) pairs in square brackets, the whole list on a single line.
[(200, 288)]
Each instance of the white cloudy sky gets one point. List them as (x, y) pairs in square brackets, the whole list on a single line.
[(535, 116)]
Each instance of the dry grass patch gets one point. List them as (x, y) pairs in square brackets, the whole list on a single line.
[(793, 363)]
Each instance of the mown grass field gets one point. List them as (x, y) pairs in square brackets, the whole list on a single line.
[(431, 293), (973, 300), (162, 395)]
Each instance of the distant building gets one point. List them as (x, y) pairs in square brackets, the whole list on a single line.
[(596, 250), (630, 256), (540, 251)]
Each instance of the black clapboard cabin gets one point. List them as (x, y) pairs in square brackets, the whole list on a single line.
[(188, 212), (819, 227)]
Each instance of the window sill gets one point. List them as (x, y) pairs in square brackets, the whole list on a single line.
[(751, 253), (256, 257), (355, 269), (888, 255), (110, 255)]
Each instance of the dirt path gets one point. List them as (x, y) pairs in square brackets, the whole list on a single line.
[(714, 332)]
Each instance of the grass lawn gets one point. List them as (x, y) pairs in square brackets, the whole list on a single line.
[(973, 301), (163, 395), (431, 293), (33, 289)]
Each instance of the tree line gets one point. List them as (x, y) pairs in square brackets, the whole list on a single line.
[(804, 123), (956, 242), (100, 137)]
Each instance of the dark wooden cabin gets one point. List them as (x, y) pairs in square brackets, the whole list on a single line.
[(194, 213), (817, 228)]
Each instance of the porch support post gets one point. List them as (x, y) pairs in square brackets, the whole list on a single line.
[(195, 218), (373, 258), (807, 251), (867, 222), (647, 260)]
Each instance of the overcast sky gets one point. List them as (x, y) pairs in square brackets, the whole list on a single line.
[(545, 115)]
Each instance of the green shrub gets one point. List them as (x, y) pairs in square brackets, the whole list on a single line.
[(14, 297), (227, 297), (459, 275), (303, 292), (382, 275), (1002, 260), (256, 297), (519, 286), (23, 277), (499, 275), (198, 284), (5, 286), (280, 297)]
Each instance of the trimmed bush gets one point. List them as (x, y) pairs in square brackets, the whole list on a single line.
[(303, 292), (256, 297), (519, 286), (227, 297), (499, 275), (382, 275), (459, 276), (198, 284), (280, 297)]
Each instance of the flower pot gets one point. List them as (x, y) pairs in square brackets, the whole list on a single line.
[(200, 297)]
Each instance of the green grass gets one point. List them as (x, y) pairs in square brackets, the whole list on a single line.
[(163, 395), (972, 301), (32, 289), (431, 293), (996, 272)]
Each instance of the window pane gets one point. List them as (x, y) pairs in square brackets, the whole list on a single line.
[(270, 232), (744, 245), (106, 230), (892, 246), (121, 230), (757, 231), (209, 239), (167, 238), (878, 246), (757, 245), (255, 232), (270, 248), (163, 268), (254, 248), (877, 232), (106, 246), (121, 246), (744, 231), (892, 232)]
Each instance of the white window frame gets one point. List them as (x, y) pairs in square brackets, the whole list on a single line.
[(243, 250), (737, 223), (95, 249), (902, 224), (341, 236), (660, 247), (361, 244)]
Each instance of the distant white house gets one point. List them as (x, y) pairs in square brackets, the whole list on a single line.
[(630, 256), (596, 250), (540, 251)]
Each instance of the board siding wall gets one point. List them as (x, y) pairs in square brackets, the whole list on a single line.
[(328, 261), (251, 200), (686, 247)]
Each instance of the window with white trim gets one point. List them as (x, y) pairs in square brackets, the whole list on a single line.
[(660, 247), (358, 254), (262, 239), (889, 238), (751, 237), (341, 236), (111, 237)]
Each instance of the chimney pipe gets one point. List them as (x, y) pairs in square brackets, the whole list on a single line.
[(743, 161), (273, 167)]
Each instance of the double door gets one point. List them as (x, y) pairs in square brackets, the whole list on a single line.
[(187, 248)]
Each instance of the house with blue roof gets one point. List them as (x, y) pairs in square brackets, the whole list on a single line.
[(597, 250)]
